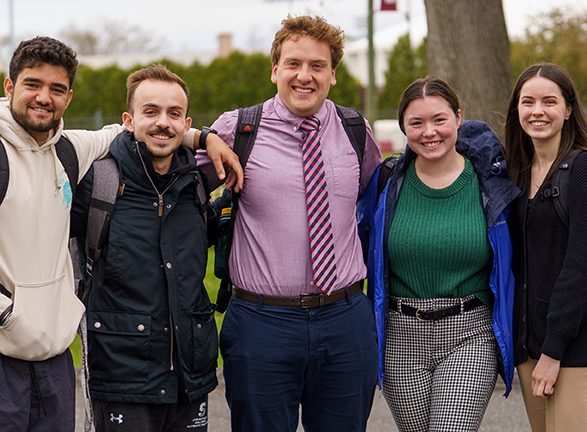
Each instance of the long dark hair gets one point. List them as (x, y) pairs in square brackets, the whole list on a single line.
[(518, 144)]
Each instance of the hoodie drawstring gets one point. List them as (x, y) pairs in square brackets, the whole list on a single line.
[(57, 185)]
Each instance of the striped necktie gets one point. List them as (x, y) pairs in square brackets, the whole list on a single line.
[(321, 239)]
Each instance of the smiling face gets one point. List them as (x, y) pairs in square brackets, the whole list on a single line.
[(158, 117), (431, 127), (303, 75), (39, 98), (542, 110)]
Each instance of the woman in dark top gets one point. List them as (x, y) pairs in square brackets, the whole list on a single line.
[(546, 124)]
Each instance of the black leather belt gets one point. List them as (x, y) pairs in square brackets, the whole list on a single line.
[(435, 314), (304, 301)]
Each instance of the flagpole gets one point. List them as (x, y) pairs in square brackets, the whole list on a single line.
[(371, 97)]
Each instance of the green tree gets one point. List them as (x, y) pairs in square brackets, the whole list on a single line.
[(227, 83), (405, 65), (558, 36), (346, 92), (103, 89), (238, 80)]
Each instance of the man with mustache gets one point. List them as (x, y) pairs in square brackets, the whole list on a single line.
[(152, 337), (39, 311)]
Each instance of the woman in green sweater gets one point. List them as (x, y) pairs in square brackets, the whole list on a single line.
[(441, 356)]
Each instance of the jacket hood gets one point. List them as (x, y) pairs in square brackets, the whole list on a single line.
[(17, 136), (481, 145)]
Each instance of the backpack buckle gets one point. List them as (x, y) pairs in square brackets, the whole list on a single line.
[(89, 266)]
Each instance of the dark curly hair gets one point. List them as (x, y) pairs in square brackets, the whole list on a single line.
[(43, 50)]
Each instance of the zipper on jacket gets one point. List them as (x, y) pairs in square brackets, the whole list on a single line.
[(171, 330), (159, 194)]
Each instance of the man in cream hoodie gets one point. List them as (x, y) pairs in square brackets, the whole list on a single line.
[(39, 311)]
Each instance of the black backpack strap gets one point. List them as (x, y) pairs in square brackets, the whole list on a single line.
[(4, 172), (385, 172), (246, 131), (66, 154), (68, 158), (559, 189), (104, 192), (356, 129), (202, 195), (244, 139)]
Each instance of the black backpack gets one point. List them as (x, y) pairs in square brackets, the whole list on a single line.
[(66, 155), (245, 134), (559, 189)]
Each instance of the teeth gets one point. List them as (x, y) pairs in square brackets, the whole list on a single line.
[(41, 110), (432, 144), (301, 90), (538, 123), (160, 136)]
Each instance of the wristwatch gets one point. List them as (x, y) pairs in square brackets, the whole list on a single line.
[(204, 134)]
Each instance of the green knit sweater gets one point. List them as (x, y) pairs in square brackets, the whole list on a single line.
[(438, 244)]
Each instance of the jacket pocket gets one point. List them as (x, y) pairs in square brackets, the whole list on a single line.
[(44, 321), (204, 344), (119, 349)]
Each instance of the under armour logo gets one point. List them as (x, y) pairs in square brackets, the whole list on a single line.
[(118, 419)]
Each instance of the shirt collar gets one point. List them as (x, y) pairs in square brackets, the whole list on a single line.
[(285, 114)]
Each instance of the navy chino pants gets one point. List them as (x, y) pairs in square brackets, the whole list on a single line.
[(278, 358)]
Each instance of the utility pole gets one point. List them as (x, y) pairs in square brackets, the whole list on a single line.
[(371, 97), (11, 35)]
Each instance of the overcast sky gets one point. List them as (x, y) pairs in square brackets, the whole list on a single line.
[(193, 25)]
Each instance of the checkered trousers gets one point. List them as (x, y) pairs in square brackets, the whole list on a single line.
[(439, 375)]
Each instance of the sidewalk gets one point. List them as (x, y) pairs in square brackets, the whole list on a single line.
[(503, 415)]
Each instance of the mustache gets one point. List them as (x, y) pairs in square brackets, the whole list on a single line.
[(161, 130)]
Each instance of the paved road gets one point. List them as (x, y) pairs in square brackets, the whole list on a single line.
[(503, 415)]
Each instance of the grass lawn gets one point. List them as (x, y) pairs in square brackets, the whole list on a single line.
[(211, 283)]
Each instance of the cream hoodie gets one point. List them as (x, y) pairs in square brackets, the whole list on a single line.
[(34, 231)]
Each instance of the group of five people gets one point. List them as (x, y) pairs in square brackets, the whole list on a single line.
[(453, 235)]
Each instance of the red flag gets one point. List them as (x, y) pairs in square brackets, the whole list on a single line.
[(388, 5)]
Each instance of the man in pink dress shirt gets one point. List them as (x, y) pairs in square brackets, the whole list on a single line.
[(323, 357)]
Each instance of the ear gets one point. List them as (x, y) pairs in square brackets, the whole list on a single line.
[(188, 125), (569, 111), (459, 117), (8, 87), (274, 73), (69, 96), (127, 120), (333, 77)]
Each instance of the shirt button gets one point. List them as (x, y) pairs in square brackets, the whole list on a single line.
[(162, 391), (168, 206), (199, 325), (155, 204), (168, 265), (141, 327), (97, 324)]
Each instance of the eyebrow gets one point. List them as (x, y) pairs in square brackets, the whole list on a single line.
[(40, 81), (174, 107)]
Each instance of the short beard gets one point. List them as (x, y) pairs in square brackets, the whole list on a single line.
[(25, 121)]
